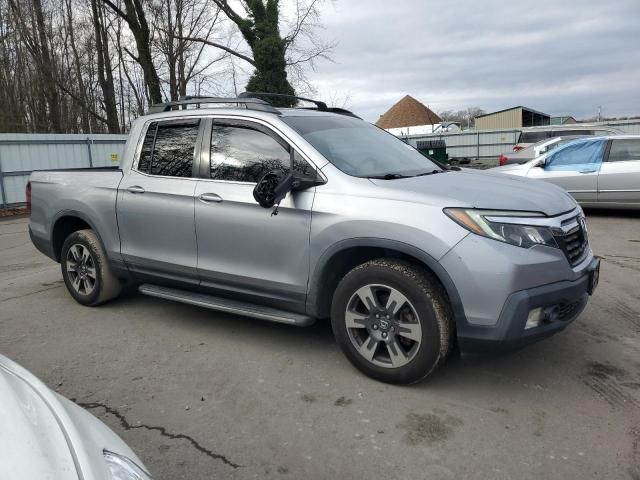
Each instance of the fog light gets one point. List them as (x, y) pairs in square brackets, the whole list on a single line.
[(535, 318)]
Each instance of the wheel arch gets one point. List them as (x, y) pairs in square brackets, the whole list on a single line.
[(64, 224), (340, 258)]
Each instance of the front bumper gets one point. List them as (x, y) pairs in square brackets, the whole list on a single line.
[(509, 332)]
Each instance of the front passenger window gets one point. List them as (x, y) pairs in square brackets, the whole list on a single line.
[(586, 154), (244, 154)]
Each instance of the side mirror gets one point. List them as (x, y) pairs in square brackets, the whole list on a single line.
[(302, 183), (272, 188)]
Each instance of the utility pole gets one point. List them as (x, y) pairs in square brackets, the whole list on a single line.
[(599, 113)]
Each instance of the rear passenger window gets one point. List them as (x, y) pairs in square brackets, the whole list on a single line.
[(244, 154), (169, 148), (624, 150)]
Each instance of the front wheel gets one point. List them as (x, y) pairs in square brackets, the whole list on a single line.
[(86, 271), (392, 320)]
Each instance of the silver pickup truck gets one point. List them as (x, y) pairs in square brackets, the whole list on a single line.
[(292, 215)]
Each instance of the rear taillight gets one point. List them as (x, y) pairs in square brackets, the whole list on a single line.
[(517, 147), (28, 195), (502, 160)]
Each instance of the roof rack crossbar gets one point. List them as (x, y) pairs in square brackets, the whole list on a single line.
[(249, 100), (250, 103), (320, 105)]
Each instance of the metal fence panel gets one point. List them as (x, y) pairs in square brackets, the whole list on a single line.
[(15, 188), (487, 145), (20, 154), (632, 127)]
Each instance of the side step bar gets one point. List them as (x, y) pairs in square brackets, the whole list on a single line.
[(236, 307)]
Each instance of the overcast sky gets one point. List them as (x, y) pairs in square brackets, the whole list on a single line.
[(560, 57)]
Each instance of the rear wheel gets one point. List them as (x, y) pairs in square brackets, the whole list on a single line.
[(86, 271), (392, 320)]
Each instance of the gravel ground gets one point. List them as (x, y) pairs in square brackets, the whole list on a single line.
[(203, 395)]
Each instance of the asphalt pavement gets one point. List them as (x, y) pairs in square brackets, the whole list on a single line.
[(203, 395)]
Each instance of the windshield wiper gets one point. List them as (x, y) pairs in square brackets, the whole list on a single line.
[(390, 176), (432, 172)]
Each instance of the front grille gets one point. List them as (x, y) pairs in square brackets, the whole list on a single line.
[(573, 243)]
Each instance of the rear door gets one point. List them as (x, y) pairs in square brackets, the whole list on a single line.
[(575, 168), (156, 202), (619, 178)]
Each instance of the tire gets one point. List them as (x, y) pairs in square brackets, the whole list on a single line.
[(86, 271), (416, 326)]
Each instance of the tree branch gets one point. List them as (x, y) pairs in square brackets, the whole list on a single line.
[(115, 8), (233, 52), (289, 39)]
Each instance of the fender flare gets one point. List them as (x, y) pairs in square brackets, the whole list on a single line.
[(436, 268), (72, 213)]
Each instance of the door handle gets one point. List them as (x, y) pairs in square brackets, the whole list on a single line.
[(135, 189), (210, 198), (588, 171)]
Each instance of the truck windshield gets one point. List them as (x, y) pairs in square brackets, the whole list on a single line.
[(360, 149)]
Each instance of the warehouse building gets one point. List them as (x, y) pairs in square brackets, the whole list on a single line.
[(516, 117), (563, 120)]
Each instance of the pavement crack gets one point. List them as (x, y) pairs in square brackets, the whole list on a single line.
[(29, 293), (162, 430)]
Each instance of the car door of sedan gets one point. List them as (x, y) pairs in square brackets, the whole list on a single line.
[(619, 178), (575, 168)]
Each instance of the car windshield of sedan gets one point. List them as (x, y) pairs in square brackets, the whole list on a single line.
[(360, 149)]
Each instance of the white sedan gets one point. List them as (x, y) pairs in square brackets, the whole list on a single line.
[(597, 171), (45, 436)]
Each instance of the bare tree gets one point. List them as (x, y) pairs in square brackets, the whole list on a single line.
[(105, 75), (136, 18), (93, 66), (464, 117), (273, 55), (176, 21)]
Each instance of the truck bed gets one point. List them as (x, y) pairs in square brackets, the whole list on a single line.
[(87, 193)]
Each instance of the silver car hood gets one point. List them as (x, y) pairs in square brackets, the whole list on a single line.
[(32, 445), (484, 189), (46, 436)]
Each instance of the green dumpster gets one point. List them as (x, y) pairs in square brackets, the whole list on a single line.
[(436, 149)]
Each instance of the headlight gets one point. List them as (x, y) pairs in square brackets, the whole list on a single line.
[(514, 233), (121, 468)]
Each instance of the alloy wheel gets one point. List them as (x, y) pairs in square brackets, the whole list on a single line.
[(383, 326), (81, 269)]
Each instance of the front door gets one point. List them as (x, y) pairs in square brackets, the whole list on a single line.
[(619, 179), (575, 168), (156, 203), (242, 247)]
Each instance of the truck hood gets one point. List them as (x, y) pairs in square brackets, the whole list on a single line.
[(32, 444), (484, 189)]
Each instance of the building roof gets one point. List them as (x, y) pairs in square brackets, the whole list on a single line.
[(513, 108), (408, 112)]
